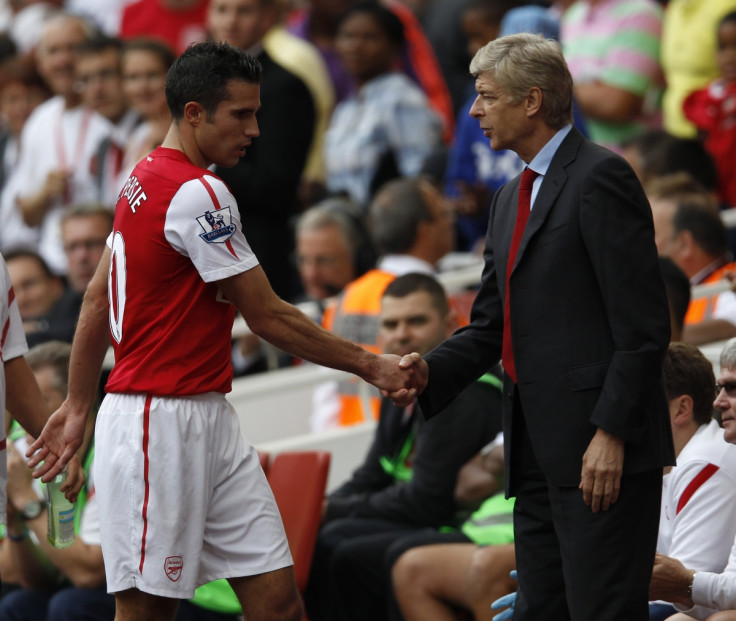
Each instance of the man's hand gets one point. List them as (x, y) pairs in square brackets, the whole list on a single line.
[(391, 377), (417, 372), (61, 437), (600, 478), (671, 581)]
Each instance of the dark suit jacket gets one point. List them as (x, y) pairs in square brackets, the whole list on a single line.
[(590, 321)]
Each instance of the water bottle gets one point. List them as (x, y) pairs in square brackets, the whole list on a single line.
[(60, 514)]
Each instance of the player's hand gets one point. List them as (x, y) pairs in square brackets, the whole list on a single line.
[(600, 478), (507, 600), (61, 437), (418, 371)]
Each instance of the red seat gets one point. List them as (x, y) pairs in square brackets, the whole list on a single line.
[(298, 480)]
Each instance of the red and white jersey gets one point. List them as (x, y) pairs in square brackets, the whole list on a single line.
[(176, 233), (12, 345)]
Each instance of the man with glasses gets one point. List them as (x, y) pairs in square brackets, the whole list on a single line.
[(84, 230)]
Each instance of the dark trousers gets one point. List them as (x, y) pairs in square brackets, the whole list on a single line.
[(577, 565)]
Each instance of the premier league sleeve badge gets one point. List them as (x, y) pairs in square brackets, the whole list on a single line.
[(217, 226)]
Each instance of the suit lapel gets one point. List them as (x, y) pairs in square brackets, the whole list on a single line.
[(552, 185)]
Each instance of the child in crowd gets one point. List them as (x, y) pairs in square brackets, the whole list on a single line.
[(713, 111)]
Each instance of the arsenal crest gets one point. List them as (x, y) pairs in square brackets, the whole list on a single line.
[(173, 566)]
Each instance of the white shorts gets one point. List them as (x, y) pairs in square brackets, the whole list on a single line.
[(183, 499)]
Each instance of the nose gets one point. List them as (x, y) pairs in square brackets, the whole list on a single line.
[(476, 109), (252, 130), (721, 402)]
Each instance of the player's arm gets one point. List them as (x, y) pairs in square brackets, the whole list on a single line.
[(64, 431), (287, 328)]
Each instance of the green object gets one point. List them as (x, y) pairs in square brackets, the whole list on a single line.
[(492, 523), (218, 596)]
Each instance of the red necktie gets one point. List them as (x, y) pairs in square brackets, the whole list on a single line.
[(522, 215)]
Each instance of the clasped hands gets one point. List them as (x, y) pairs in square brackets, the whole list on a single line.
[(408, 380)]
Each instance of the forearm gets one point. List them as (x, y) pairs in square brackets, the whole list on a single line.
[(24, 400), (34, 207), (607, 103), (708, 331), (31, 569)]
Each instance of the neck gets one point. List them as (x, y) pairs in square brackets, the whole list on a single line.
[(681, 436), (175, 140)]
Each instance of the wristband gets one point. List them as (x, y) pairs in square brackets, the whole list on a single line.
[(17, 538)]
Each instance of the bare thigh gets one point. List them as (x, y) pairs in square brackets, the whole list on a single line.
[(135, 605)]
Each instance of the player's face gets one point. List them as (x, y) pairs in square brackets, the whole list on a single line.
[(144, 78), (241, 23), (57, 55), (223, 138), (324, 261), (503, 123), (727, 51), (84, 242), (725, 403), (411, 323), (100, 83)]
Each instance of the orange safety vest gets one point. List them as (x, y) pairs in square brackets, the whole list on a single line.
[(354, 316), (702, 308)]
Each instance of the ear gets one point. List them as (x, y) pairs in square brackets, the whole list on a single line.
[(684, 410), (194, 113), (533, 102)]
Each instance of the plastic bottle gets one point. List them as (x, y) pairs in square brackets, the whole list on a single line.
[(61, 514)]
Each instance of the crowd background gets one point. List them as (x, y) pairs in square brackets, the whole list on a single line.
[(368, 166)]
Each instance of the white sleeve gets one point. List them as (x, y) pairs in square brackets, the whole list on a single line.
[(717, 591), (725, 307), (12, 338), (203, 223)]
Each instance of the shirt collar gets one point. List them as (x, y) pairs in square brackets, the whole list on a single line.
[(540, 163)]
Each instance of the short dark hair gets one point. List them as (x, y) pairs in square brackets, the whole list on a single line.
[(395, 213), (385, 18), (55, 355), (99, 43), (677, 285), (687, 371), (727, 18), (202, 74), (416, 282), (705, 225), (24, 253), (155, 46)]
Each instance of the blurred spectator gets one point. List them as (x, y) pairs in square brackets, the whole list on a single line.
[(100, 84), (688, 40), (317, 22), (386, 129), (84, 230), (265, 182), (58, 142), (333, 247), (144, 66), (303, 59), (48, 309), (27, 22), (713, 111), (678, 296), (411, 226), (612, 50), (175, 22), (21, 90)]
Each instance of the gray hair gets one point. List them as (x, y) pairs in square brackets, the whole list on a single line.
[(87, 210), (520, 62), (728, 355), (336, 211)]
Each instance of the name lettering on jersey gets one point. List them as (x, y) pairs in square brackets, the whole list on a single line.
[(133, 191), (217, 226)]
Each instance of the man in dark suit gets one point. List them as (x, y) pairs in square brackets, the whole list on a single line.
[(580, 319)]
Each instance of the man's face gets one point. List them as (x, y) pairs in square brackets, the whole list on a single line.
[(443, 218), (222, 139), (725, 403), (99, 78), (17, 101), (411, 324), (241, 23), (47, 384), (57, 55), (83, 238), (663, 211), (35, 291), (504, 123), (144, 78), (324, 260), (364, 47)]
